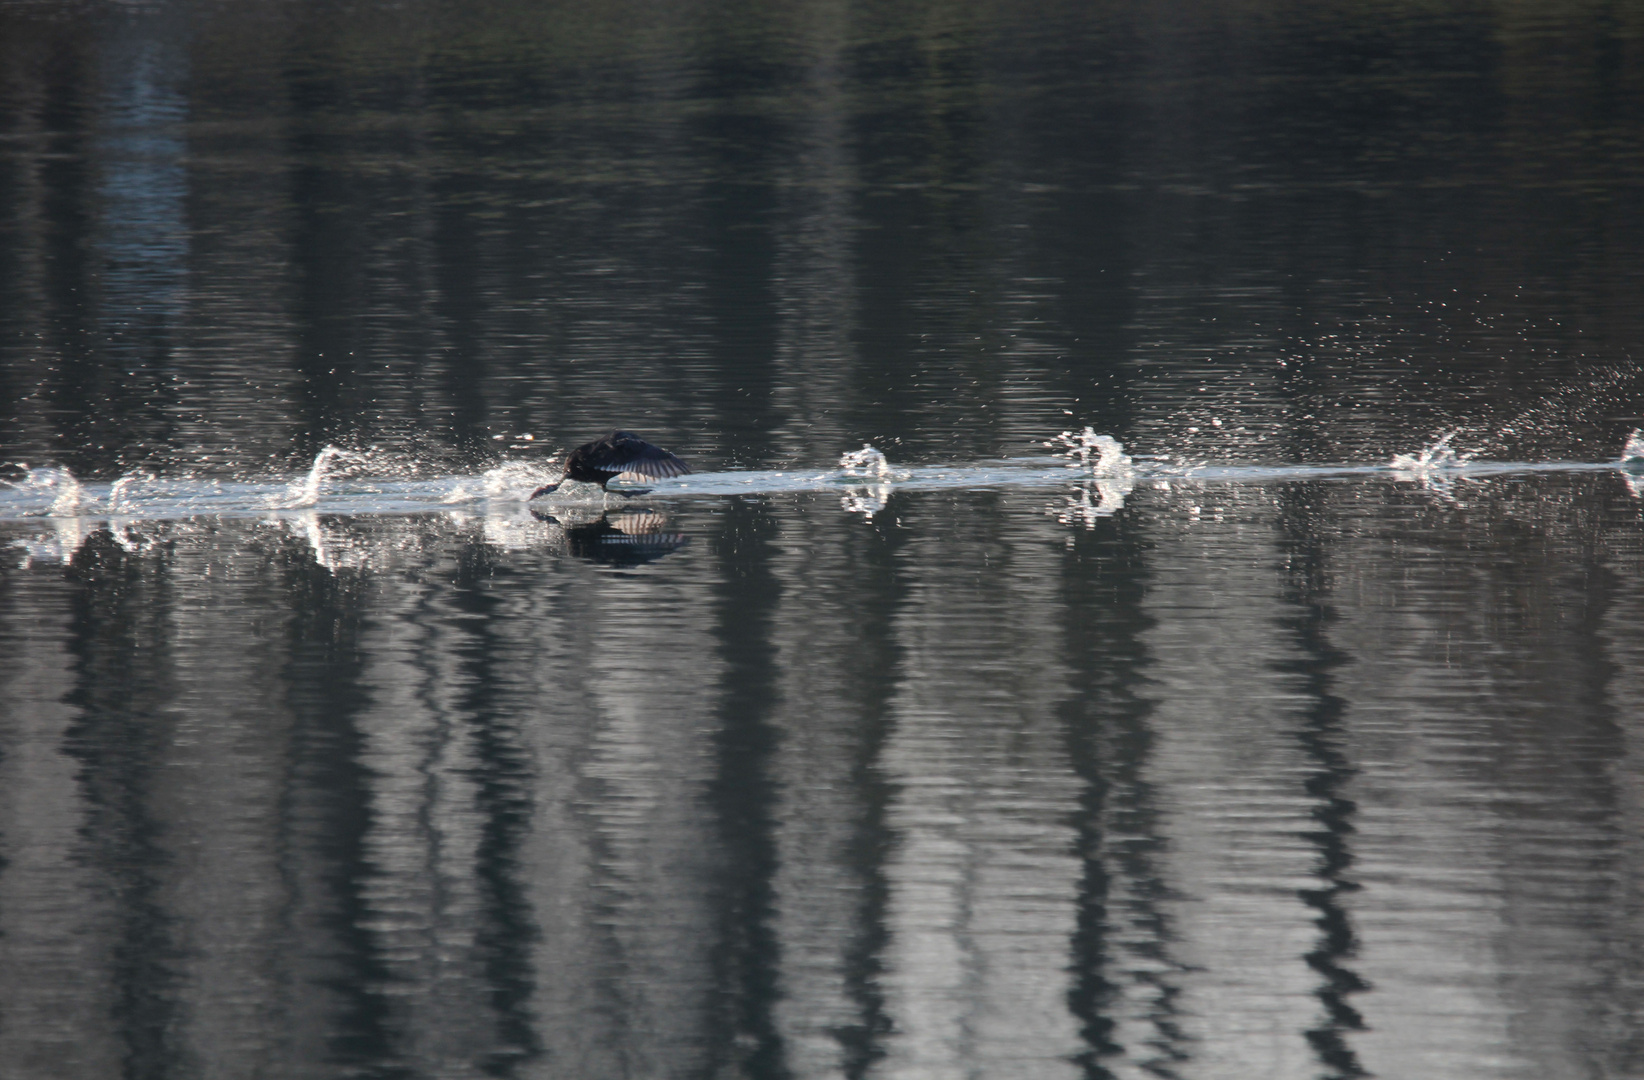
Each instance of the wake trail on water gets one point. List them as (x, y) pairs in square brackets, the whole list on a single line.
[(341, 481)]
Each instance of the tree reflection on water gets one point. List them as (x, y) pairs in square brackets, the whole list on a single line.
[(1099, 776)]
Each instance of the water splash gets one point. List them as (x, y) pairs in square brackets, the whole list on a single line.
[(866, 461), (69, 493), (306, 492), (1113, 476), (1632, 463), (1102, 454), (1632, 454), (866, 499), (1435, 468), (514, 481), (1576, 403), (587, 495), (119, 495), (348, 482), (1434, 457), (56, 488)]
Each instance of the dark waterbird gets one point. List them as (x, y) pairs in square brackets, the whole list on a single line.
[(619, 452)]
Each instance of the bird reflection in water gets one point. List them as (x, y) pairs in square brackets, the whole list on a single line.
[(630, 538)]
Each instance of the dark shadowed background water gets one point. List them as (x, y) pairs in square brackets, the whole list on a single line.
[(1219, 766)]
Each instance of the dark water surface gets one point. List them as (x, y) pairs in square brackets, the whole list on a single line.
[(1220, 765)]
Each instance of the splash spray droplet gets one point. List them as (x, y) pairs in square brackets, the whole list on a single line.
[(866, 460), (1108, 453), (306, 492), (1633, 453), (1435, 456)]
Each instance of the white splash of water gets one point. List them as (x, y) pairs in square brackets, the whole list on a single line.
[(1102, 454), (1633, 452), (48, 483), (119, 495), (868, 499), (516, 480), (1632, 463), (306, 492), (866, 461), (1435, 457), (1434, 468), (583, 494), (69, 494)]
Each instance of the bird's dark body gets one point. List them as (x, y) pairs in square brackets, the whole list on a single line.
[(619, 452)]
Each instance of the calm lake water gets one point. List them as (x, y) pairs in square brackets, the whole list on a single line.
[(1253, 756)]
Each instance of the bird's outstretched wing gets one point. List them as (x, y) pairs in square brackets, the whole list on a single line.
[(623, 452)]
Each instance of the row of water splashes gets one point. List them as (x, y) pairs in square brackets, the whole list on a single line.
[(53, 491), (1107, 474)]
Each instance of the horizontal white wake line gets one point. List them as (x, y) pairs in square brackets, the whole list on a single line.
[(53, 493)]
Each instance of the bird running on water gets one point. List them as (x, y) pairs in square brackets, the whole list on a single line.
[(620, 452)]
